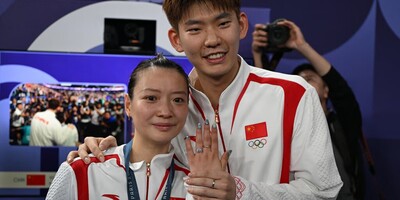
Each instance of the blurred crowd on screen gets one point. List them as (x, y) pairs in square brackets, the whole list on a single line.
[(94, 110)]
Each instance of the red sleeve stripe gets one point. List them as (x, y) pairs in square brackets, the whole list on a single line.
[(81, 174)]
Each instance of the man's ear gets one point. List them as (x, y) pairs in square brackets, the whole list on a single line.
[(244, 25), (173, 36), (127, 105)]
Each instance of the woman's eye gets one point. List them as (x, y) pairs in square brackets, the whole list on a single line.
[(151, 98), (179, 100)]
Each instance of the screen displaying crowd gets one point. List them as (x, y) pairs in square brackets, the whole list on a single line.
[(85, 110)]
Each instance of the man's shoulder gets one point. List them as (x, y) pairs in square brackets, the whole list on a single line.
[(38, 113), (111, 154), (278, 78)]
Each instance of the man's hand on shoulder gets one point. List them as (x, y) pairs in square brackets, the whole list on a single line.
[(93, 145)]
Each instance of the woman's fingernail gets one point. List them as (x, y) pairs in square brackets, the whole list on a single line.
[(186, 137), (86, 160), (214, 126), (199, 125), (229, 153), (207, 122), (101, 158)]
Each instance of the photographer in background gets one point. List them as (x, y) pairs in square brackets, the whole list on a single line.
[(344, 118)]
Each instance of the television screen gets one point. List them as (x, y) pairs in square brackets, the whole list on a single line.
[(84, 110), (129, 36)]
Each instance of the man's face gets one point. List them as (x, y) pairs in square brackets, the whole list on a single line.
[(210, 39)]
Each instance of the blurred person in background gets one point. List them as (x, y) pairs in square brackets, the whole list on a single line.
[(46, 130), (337, 100)]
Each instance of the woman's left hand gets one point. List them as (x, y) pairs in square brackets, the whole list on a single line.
[(208, 178)]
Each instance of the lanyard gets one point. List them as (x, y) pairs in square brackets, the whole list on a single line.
[(133, 192)]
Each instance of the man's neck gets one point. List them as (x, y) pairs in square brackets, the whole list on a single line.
[(52, 110), (213, 87), (212, 90)]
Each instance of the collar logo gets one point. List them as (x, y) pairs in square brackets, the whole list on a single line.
[(256, 134)]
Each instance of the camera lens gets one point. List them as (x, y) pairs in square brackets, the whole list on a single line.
[(278, 35)]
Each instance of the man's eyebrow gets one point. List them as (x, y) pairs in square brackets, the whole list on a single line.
[(223, 15), (218, 17), (192, 22)]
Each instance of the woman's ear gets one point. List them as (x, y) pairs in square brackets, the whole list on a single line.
[(127, 105), (174, 39)]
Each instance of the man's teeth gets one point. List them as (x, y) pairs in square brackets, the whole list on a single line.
[(215, 56)]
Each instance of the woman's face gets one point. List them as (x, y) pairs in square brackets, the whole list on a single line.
[(159, 105)]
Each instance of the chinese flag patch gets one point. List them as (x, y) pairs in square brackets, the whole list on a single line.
[(255, 131), (35, 179)]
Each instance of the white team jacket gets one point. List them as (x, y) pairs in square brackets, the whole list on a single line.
[(277, 131), (46, 130), (108, 180)]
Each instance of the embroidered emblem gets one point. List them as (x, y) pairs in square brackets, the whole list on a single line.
[(240, 187), (257, 143), (255, 131)]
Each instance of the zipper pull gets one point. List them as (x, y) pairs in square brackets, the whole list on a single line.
[(148, 169), (216, 116)]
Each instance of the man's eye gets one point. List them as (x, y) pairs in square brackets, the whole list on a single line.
[(224, 24), (193, 30)]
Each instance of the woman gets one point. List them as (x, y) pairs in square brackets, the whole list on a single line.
[(145, 168)]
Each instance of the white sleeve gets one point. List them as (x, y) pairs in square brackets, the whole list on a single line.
[(63, 186), (313, 171)]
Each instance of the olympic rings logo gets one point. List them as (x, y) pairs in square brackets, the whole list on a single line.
[(257, 143)]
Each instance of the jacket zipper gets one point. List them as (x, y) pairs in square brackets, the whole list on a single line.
[(217, 121), (148, 179), (216, 116)]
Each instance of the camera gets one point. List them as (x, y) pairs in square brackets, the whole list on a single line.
[(277, 35)]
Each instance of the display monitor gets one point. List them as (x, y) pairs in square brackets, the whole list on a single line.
[(129, 36), (83, 110)]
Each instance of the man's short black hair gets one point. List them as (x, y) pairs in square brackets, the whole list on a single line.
[(54, 104), (302, 67)]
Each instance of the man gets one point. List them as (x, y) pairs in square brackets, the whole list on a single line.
[(46, 130), (272, 122), (17, 122)]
